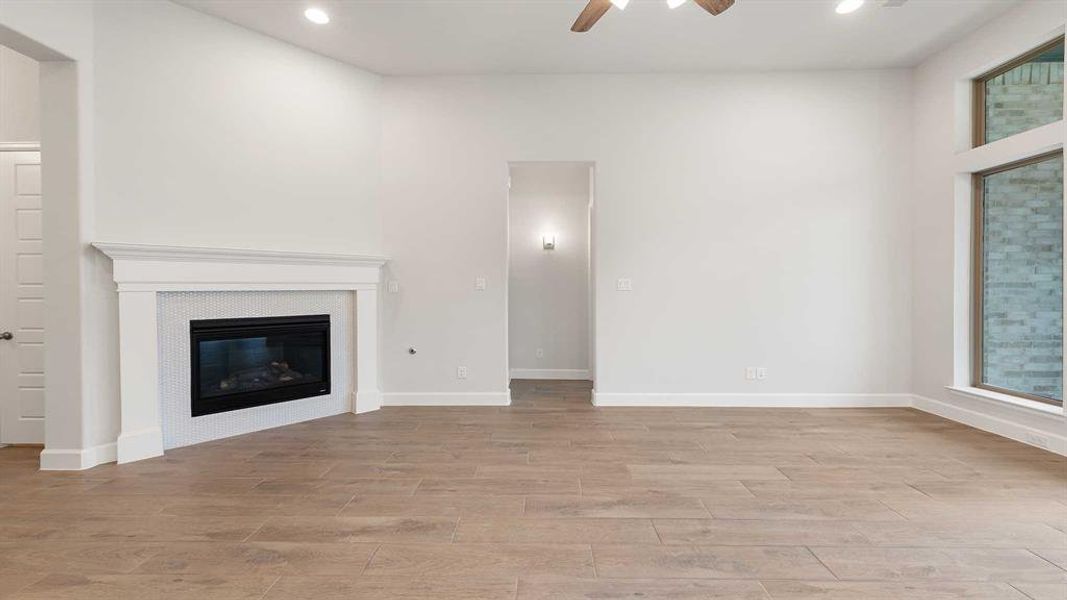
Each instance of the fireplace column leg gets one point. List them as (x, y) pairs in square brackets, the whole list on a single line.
[(368, 394), (141, 435)]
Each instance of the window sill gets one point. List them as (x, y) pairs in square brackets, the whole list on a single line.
[(1025, 403)]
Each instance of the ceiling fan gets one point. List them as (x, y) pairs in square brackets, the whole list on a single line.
[(596, 9)]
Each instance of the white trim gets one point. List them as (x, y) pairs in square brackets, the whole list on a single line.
[(141, 271), (156, 252), (664, 400), (1021, 146), (148, 268), (366, 401), (1037, 426), (507, 278), (139, 445), (367, 348), (1023, 403), (564, 374), (77, 460), (139, 405), (1018, 45), (447, 398), (209, 286), (20, 146)]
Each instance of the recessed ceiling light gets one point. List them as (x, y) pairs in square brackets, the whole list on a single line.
[(620, 4), (317, 16), (848, 6), (675, 3)]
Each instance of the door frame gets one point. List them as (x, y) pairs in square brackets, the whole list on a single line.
[(78, 407), (6, 148), (20, 146), (591, 362)]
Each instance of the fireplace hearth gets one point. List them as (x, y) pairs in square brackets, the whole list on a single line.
[(248, 362)]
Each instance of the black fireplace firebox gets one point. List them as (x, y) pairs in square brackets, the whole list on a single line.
[(241, 363)]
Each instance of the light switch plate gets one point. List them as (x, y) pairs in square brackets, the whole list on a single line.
[(624, 285), (480, 284), (394, 287)]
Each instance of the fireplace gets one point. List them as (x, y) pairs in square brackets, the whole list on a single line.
[(241, 363)]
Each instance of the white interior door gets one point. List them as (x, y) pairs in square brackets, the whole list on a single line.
[(21, 300)]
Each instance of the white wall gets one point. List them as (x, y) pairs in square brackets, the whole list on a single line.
[(20, 109), (172, 127), (80, 335), (941, 204), (548, 291), (762, 218), (211, 135)]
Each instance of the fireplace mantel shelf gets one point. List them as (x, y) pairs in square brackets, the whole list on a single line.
[(148, 267), (157, 252)]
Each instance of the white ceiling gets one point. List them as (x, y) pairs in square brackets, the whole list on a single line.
[(416, 37)]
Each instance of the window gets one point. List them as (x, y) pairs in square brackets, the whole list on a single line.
[(1021, 95), (1018, 279), (1017, 276)]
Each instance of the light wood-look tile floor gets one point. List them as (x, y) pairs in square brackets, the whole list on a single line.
[(552, 499)]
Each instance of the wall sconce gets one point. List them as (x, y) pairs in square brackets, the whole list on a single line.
[(548, 241)]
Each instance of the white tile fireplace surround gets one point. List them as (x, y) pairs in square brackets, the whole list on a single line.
[(162, 288), (177, 309)]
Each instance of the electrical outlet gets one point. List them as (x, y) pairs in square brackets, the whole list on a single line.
[(461, 372), (624, 285), (394, 286), (761, 373), (750, 373), (540, 353), (480, 284)]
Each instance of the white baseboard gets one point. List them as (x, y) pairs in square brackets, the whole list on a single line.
[(565, 374), (139, 445), (78, 459), (751, 400), (447, 398), (1042, 430), (366, 401)]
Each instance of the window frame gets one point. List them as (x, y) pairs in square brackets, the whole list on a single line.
[(977, 272), (979, 88)]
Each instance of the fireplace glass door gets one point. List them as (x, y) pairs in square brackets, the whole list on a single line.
[(241, 363)]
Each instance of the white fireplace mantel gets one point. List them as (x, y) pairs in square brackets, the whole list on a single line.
[(141, 271)]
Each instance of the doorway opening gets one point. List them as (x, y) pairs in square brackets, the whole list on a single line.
[(550, 293), (22, 397)]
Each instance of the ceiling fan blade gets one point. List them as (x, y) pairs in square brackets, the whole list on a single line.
[(715, 7), (590, 15)]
